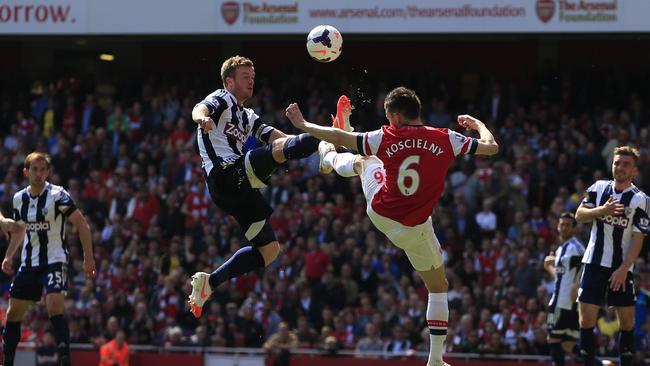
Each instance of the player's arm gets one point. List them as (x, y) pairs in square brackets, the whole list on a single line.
[(333, 135), (264, 132), (16, 239), (79, 221), (8, 225), (549, 264), (576, 282), (618, 277), (486, 144), (587, 211)]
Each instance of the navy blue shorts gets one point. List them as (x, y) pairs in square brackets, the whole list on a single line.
[(563, 324), (231, 191), (594, 288), (28, 283)]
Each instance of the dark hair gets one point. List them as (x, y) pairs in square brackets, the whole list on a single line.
[(404, 101), (568, 215), (628, 151), (229, 66)]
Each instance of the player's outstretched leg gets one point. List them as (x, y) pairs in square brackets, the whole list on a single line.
[(245, 260), (343, 163)]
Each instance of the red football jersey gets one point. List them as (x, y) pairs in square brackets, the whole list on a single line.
[(416, 160)]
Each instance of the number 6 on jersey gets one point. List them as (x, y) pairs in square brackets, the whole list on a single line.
[(406, 172)]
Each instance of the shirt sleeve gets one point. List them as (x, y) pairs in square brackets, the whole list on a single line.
[(216, 105), (641, 221), (368, 142), (589, 199), (461, 144), (261, 131), (16, 209), (64, 204)]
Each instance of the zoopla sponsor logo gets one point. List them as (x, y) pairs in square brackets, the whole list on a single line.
[(37, 226)]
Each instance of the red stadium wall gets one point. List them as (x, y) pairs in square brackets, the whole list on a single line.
[(350, 361), (172, 359), (91, 358)]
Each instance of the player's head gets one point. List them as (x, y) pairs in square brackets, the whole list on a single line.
[(625, 164), (402, 106), (37, 168), (566, 225), (238, 76)]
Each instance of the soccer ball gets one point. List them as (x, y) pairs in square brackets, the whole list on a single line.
[(324, 43)]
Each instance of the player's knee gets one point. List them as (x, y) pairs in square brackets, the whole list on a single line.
[(15, 312), (277, 149), (626, 324), (270, 252), (54, 303)]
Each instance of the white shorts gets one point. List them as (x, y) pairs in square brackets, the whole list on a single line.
[(418, 242)]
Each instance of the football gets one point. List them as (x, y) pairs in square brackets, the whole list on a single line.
[(324, 43)]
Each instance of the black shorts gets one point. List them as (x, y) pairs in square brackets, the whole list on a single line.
[(563, 324), (594, 288), (232, 192), (28, 283)]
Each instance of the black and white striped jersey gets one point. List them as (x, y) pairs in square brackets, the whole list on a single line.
[(222, 145), (611, 235), (567, 262), (44, 219)]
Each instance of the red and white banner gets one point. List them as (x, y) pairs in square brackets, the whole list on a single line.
[(298, 17)]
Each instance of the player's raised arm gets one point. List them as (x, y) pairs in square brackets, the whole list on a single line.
[(486, 144), (200, 115), (333, 135)]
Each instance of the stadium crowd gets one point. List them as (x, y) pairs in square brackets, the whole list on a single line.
[(129, 161)]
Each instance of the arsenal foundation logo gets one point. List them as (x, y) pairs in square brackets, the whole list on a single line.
[(230, 12), (545, 10)]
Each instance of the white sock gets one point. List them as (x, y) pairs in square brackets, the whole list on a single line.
[(343, 163), (437, 317)]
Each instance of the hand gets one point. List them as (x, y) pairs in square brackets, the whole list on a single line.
[(7, 267), (617, 279), (89, 267), (8, 226), (206, 123), (612, 207), (469, 122), (294, 115)]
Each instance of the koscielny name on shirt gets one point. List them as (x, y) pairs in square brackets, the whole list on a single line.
[(413, 144)]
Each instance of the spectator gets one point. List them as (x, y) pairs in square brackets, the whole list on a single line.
[(279, 346), (115, 352)]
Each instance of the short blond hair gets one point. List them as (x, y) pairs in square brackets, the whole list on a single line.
[(37, 156), (229, 66), (628, 151)]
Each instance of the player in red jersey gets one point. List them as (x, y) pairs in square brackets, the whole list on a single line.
[(403, 168)]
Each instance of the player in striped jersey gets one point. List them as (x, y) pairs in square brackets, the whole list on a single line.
[(618, 211), (41, 210), (563, 309), (234, 178), (403, 167)]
